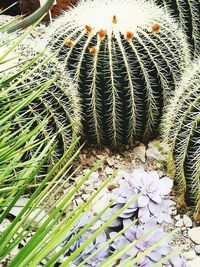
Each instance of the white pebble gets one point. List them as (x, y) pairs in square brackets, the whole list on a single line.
[(194, 234), (189, 255), (197, 249), (179, 223), (187, 221)]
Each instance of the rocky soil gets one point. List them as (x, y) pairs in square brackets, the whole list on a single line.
[(150, 157)]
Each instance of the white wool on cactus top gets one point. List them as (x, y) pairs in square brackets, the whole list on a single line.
[(116, 16), (100, 13)]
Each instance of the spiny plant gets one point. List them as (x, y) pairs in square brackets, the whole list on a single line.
[(181, 131), (127, 57), (57, 102), (188, 14)]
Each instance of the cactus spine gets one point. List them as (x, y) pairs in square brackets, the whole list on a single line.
[(127, 57), (181, 131), (188, 14), (58, 103)]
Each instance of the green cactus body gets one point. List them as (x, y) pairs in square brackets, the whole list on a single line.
[(127, 57), (188, 14), (181, 131), (59, 103)]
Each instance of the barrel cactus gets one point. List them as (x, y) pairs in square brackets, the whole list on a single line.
[(181, 131), (58, 103), (127, 57), (188, 14)]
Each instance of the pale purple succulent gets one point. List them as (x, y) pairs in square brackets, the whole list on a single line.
[(91, 248), (81, 223), (177, 261), (150, 209), (134, 233), (152, 200), (110, 212)]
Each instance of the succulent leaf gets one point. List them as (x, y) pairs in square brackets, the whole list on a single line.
[(151, 202)]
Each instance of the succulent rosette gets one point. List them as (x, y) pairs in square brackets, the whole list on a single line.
[(148, 210), (150, 202), (91, 248), (134, 233), (81, 223)]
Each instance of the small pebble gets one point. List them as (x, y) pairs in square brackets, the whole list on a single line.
[(187, 221), (194, 234), (85, 197), (89, 189), (179, 223), (153, 152), (173, 211), (14, 252), (98, 184), (94, 176), (110, 161), (197, 249), (185, 233), (177, 217), (112, 186), (44, 261), (79, 201), (183, 228), (100, 156), (140, 152), (3, 227), (189, 255), (108, 170), (195, 262)]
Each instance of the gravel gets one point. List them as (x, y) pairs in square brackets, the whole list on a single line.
[(150, 157)]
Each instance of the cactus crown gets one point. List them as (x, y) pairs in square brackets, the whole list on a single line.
[(181, 131), (124, 55), (115, 18)]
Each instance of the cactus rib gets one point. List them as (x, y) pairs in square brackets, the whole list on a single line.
[(187, 12), (181, 131), (58, 103)]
